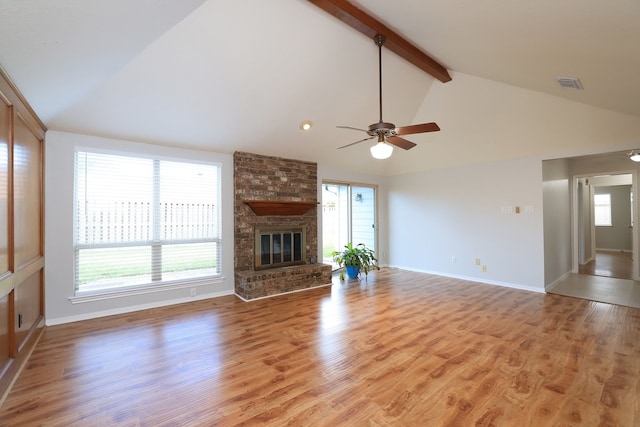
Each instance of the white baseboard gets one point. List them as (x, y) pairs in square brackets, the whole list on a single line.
[(475, 279), (558, 280), (613, 250)]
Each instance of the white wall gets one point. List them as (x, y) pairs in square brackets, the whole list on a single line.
[(557, 220), (454, 210), (468, 213), (483, 121), (424, 218), (59, 230)]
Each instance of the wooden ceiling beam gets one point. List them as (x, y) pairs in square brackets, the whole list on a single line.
[(370, 26)]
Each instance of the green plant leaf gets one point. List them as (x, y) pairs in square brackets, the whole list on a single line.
[(358, 255)]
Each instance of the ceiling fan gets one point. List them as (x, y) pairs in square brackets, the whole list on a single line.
[(387, 133)]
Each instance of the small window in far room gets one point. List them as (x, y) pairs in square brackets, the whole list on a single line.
[(602, 210)]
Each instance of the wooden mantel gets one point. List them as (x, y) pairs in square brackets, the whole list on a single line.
[(283, 207)]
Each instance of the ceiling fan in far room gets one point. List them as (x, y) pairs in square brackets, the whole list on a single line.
[(387, 133)]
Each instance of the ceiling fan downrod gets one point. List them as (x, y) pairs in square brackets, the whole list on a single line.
[(379, 39), (388, 133)]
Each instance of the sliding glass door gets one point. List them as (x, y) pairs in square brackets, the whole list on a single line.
[(348, 215)]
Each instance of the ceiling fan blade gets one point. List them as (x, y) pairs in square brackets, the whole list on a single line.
[(400, 142), (352, 128), (424, 127), (357, 142)]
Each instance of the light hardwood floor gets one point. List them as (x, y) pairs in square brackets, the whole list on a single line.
[(609, 264), (401, 349)]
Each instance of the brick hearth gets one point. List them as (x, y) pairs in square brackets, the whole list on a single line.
[(267, 178)]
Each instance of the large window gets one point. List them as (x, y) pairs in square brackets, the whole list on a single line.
[(602, 209), (144, 222)]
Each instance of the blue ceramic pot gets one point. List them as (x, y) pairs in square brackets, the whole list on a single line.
[(353, 271)]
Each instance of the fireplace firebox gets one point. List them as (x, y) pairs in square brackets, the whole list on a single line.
[(279, 246)]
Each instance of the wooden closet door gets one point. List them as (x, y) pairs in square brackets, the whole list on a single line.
[(27, 208), (27, 194), (21, 230), (6, 295)]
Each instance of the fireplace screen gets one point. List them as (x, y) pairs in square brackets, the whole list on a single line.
[(278, 247)]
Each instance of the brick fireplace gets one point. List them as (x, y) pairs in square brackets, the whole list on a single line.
[(278, 195)]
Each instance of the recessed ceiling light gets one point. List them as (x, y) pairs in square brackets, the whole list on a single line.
[(306, 125)]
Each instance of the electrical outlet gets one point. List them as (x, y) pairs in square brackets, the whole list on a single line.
[(484, 268), (477, 261), (453, 259)]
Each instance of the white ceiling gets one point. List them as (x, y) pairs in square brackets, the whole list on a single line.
[(228, 75)]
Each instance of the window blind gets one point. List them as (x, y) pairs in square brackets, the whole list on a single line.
[(144, 221), (602, 209)]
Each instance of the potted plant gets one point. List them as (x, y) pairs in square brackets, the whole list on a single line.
[(355, 259)]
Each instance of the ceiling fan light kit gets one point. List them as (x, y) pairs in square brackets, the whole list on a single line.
[(634, 156), (387, 133), (381, 150)]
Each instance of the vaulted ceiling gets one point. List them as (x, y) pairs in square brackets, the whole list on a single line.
[(228, 75)]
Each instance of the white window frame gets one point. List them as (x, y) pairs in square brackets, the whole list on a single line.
[(602, 210), (123, 291), (350, 198)]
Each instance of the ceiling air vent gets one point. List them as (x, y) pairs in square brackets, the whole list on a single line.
[(569, 83)]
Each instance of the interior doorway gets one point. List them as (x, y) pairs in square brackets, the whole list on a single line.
[(605, 240), (583, 240)]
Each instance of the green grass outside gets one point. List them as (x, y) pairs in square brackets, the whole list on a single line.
[(111, 263)]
